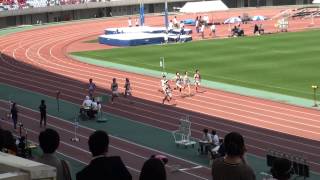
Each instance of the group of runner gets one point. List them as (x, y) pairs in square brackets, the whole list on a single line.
[(115, 92), (181, 82)]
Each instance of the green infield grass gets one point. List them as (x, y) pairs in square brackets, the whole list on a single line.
[(286, 63)]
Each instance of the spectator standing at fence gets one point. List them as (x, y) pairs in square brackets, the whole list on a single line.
[(43, 113), (102, 167), (256, 30), (14, 115), (49, 140), (202, 30), (213, 30), (153, 169), (233, 165), (197, 24), (175, 22), (129, 22)]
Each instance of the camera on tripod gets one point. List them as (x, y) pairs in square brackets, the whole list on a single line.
[(23, 149)]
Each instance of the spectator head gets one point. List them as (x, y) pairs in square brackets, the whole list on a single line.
[(163, 158), (281, 169), (49, 141), (213, 132), (234, 144), (153, 169), (205, 131), (98, 143), (42, 101)]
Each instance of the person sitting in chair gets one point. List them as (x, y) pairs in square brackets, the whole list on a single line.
[(95, 108), (205, 143), (86, 105)]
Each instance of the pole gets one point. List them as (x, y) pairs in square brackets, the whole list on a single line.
[(166, 19), (314, 87), (76, 125), (58, 100), (315, 97), (162, 64)]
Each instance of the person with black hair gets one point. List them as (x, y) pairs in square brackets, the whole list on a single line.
[(232, 166), (281, 169), (153, 169), (205, 143), (43, 113), (49, 140), (7, 142), (14, 115), (102, 167)]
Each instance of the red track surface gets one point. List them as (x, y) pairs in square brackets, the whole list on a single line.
[(37, 60)]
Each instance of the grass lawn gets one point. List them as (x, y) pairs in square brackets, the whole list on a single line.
[(287, 63)]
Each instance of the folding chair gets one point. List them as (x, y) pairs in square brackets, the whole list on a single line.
[(182, 136)]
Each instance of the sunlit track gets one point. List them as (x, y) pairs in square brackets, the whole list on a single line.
[(46, 51)]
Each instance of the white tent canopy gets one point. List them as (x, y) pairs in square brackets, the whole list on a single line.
[(316, 2), (204, 6)]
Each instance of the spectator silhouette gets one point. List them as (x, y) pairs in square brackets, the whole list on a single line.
[(281, 169), (153, 169), (102, 167), (7, 142), (14, 115), (49, 142), (233, 165), (43, 113)]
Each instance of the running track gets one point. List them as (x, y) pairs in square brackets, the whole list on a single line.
[(37, 60)]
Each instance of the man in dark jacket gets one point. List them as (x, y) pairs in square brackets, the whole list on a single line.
[(43, 113), (102, 167)]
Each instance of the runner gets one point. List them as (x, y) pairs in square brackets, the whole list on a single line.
[(127, 88), (163, 82), (197, 79), (179, 81), (186, 82), (114, 89), (91, 88), (167, 94)]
